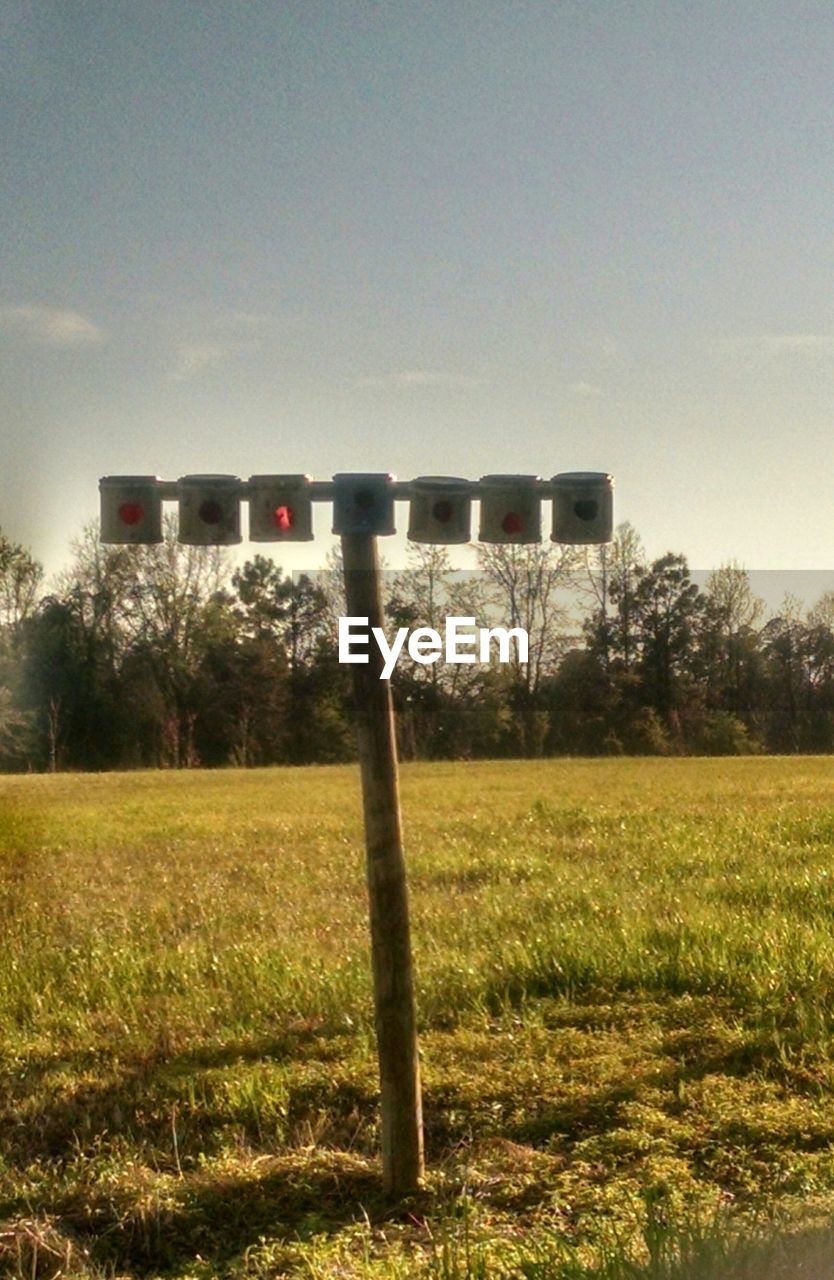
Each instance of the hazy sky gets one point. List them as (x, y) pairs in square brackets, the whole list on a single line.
[(427, 238)]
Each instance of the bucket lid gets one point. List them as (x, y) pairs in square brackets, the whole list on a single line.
[(121, 482), (211, 481), (566, 479), (298, 481)]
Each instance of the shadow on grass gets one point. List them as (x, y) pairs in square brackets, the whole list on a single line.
[(183, 1105), (149, 1222), (300, 1041), (220, 1217), (672, 1047)]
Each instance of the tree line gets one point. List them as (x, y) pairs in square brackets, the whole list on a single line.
[(168, 656)]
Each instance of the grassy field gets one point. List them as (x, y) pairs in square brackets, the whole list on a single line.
[(625, 975)]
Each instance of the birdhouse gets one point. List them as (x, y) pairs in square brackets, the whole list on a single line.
[(363, 503), (510, 509), (209, 508), (280, 508), (131, 510), (583, 507), (440, 510)]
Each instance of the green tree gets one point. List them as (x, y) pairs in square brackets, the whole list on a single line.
[(784, 642), (529, 586), (613, 573), (668, 610), (294, 701), (434, 700), (730, 645), (20, 579)]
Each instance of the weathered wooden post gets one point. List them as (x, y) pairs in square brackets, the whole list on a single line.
[(396, 1029)]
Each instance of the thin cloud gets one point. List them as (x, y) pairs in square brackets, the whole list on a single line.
[(603, 351), (243, 321), (587, 390), (420, 378), (194, 358), (51, 326), (781, 343), (609, 349)]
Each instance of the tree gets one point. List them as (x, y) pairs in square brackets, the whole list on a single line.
[(124, 635), (60, 689), (820, 658), (527, 586), (614, 572), (432, 699), (784, 640), (75, 649), (20, 578), (668, 608), (729, 642), (292, 610), (173, 605), (296, 701)]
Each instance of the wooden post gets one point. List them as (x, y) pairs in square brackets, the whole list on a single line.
[(396, 1030)]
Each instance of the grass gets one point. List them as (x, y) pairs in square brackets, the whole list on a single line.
[(625, 979)]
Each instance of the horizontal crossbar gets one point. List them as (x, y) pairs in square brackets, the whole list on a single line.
[(323, 490)]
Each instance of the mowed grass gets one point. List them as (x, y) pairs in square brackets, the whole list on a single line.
[(625, 980)]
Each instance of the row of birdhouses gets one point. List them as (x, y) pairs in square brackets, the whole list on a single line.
[(281, 507)]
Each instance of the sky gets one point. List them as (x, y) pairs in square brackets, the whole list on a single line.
[(426, 238)]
